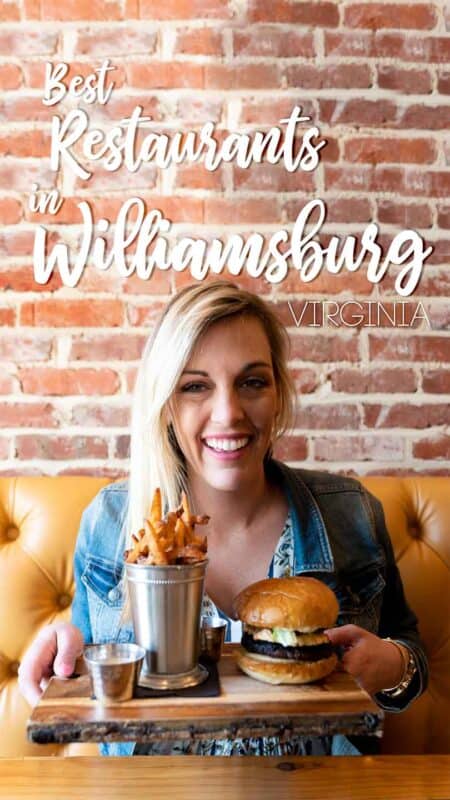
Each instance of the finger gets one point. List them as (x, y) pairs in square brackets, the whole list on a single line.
[(345, 635), (69, 647), (36, 663)]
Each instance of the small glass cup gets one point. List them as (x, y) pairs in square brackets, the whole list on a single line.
[(212, 637), (114, 670)]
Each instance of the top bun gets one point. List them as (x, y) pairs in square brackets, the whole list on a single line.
[(298, 603)]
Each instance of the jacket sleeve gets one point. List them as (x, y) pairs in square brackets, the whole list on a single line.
[(397, 620), (80, 606)]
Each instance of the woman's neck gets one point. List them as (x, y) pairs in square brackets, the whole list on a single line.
[(231, 509)]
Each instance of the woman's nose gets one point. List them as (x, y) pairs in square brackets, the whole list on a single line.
[(226, 407)]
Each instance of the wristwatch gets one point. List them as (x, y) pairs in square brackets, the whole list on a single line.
[(409, 669)]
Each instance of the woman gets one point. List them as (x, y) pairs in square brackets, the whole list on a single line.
[(213, 394)]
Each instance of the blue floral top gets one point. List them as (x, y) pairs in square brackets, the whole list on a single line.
[(281, 566)]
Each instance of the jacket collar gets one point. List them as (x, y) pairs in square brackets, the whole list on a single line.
[(312, 551)]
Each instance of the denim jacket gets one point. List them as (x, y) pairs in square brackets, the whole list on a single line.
[(340, 537)]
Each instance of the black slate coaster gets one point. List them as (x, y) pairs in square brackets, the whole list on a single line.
[(209, 688)]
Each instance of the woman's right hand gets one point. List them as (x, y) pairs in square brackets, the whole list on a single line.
[(53, 652)]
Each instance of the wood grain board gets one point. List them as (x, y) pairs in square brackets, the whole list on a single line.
[(245, 707), (250, 778)]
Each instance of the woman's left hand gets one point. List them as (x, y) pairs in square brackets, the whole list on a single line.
[(375, 663)]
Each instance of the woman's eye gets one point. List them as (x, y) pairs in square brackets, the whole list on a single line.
[(193, 387), (255, 383)]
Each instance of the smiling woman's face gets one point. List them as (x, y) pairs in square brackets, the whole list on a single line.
[(225, 405)]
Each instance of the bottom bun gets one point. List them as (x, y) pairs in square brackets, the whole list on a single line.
[(272, 670)]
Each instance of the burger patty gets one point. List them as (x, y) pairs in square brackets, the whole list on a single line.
[(313, 652)]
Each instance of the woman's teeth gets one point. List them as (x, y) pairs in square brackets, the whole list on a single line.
[(227, 445)]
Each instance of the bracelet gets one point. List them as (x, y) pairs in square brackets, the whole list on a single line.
[(409, 669)]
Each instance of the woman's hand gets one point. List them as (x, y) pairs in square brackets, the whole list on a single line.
[(54, 651), (375, 663)]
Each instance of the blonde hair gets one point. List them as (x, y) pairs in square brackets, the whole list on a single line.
[(155, 459)]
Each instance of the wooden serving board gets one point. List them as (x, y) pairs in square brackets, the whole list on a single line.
[(245, 707)]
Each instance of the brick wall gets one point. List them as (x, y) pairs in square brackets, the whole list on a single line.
[(375, 77)]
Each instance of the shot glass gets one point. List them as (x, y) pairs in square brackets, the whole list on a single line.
[(114, 670), (212, 637)]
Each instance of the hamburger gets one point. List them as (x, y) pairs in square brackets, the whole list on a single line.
[(283, 623)]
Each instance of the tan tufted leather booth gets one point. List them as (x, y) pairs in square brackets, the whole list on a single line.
[(39, 519)]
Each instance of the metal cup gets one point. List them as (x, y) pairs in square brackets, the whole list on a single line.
[(114, 670), (166, 605), (212, 637)]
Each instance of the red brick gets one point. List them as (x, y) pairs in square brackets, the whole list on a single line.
[(320, 348), (73, 313), (28, 43), (332, 76), (427, 118), (245, 76), (428, 183), (72, 10), (196, 109), (113, 347), (146, 316), (17, 107), (432, 447), (390, 15), (244, 281), (10, 76), (18, 176), (411, 215), (441, 252), (406, 415), (432, 49), (100, 472), (131, 375), (165, 75), (9, 11), (270, 110), (18, 242), (358, 381), (21, 347), (54, 381), (358, 448), (373, 150), (122, 446), (195, 176), (444, 83), (21, 279), (358, 111), (28, 415), (291, 448), (8, 384), (272, 178), (29, 143), (304, 13), (115, 41), (58, 448), (131, 10), (348, 178), (10, 212), (444, 216), (332, 416), (143, 179), (224, 211), (100, 415), (185, 9), (4, 443), (355, 283), (305, 379), (436, 381), (271, 41), (199, 42), (348, 43), (122, 105), (7, 317), (31, 9), (339, 209), (405, 81)]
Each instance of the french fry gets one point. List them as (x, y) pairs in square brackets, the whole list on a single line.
[(171, 540)]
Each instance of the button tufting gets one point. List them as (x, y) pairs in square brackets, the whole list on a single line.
[(14, 667), (64, 600), (12, 533)]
